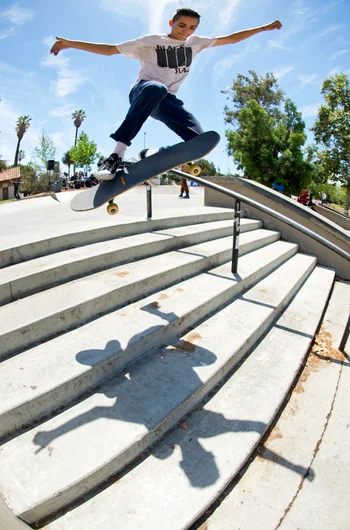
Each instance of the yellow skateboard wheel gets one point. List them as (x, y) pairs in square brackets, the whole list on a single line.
[(112, 208), (195, 171)]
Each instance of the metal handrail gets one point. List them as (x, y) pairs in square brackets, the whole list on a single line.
[(265, 209)]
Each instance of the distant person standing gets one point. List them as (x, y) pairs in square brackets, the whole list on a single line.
[(183, 184), (184, 189), (324, 198), (16, 189), (303, 197)]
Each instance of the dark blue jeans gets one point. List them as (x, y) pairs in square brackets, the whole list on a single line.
[(150, 98)]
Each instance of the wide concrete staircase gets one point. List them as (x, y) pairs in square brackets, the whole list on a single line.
[(138, 374)]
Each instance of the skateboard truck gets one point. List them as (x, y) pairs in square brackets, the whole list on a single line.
[(191, 169)]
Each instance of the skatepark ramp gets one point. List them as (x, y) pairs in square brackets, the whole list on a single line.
[(139, 376)]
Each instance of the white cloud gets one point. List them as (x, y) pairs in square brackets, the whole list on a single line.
[(224, 65), (7, 33), (338, 70), (17, 16), (309, 111), (63, 140), (68, 81), (331, 29), (62, 112), (156, 13), (224, 9), (339, 53), (303, 17), (9, 69), (281, 71), (334, 71), (307, 79), (277, 45)]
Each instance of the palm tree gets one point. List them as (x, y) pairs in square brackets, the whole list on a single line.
[(78, 116), (22, 125), (67, 160)]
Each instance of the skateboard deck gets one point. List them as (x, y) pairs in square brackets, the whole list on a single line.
[(145, 169)]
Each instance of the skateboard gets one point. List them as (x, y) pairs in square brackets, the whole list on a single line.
[(136, 173)]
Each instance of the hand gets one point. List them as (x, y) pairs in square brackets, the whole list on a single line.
[(273, 25), (60, 44)]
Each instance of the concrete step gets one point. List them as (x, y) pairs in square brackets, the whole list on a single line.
[(20, 280), (305, 450), (74, 236), (194, 462), (131, 411), (53, 374), (68, 306)]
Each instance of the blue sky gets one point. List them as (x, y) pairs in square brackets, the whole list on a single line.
[(313, 44)]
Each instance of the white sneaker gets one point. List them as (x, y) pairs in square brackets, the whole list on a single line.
[(109, 167)]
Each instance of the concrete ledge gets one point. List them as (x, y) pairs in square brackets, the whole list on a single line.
[(43, 247), (334, 216), (289, 208)]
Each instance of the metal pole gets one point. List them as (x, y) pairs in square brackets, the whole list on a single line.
[(236, 232), (149, 200)]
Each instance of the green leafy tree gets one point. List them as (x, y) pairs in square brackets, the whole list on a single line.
[(266, 139), (332, 131), (253, 144), (22, 125), (315, 158), (207, 168), (84, 153), (262, 89), (45, 151), (291, 168), (29, 180), (3, 165)]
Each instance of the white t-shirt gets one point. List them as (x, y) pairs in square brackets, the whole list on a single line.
[(164, 59)]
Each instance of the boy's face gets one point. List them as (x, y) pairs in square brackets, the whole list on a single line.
[(183, 27)]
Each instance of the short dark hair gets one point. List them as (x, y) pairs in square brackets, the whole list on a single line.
[(186, 12)]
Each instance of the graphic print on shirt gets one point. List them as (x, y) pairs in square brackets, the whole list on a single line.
[(176, 57)]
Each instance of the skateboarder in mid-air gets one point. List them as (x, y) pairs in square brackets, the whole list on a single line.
[(165, 62)]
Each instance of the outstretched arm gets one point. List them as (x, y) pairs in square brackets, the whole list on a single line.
[(246, 33), (102, 49)]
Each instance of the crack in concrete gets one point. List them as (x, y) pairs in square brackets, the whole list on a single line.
[(315, 451), (11, 293)]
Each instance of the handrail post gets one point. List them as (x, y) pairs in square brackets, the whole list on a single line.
[(149, 200), (236, 232)]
